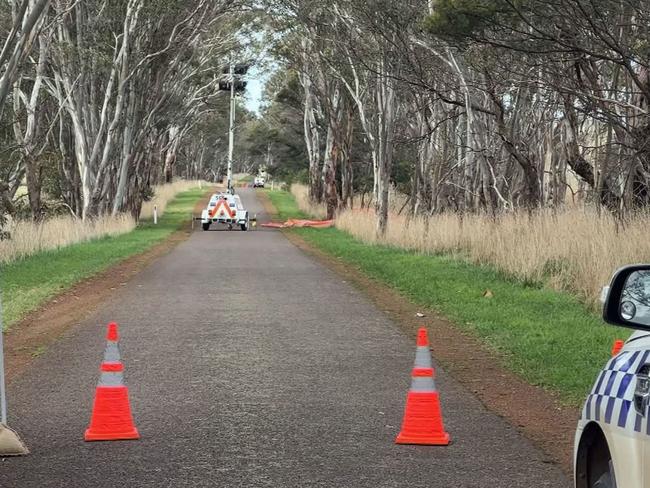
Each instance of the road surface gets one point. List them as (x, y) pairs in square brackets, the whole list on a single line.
[(250, 365)]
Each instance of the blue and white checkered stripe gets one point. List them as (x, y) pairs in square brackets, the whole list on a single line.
[(612, 398)]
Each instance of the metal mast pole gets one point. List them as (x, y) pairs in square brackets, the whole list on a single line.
[(10, 443), (3, 393), (231, 135)]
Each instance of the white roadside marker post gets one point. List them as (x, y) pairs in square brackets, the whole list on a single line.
[(155, 214), (10, 443)]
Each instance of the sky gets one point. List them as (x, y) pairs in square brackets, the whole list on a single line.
[(262, 69), (255, 88)]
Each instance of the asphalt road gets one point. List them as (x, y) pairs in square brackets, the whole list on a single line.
[(250, 365)]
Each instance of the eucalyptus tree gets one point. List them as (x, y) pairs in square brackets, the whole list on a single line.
[(298, 44), (24, 25), (349, 65), (129, 77), (484, 104), (28, 109), (110, 95), (312, 113), (23, 22), (372, 71), (586, 63)]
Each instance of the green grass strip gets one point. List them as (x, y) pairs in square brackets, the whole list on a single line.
[(285, 205), (29, 282), (547, 337)]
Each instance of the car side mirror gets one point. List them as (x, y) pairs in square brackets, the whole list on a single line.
[(628, 300)]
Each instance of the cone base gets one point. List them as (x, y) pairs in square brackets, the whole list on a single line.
[(10, 443), (440, 440), (126, 436), (422, 423), (111, 418)]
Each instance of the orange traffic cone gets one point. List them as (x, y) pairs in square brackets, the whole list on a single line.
[(111, 418), (618, 345), (422, 416), (422, 350)]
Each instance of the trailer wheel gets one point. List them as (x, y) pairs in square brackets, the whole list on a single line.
[(244, 227), (206, 225)]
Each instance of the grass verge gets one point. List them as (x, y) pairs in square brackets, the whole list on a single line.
[(285, 205), (29, 282), (547, 337)]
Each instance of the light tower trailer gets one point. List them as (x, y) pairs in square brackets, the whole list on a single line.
[(226, 209)]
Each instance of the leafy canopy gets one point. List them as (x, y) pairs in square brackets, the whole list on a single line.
[(458, 19)]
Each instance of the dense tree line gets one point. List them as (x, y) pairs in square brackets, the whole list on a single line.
[(102, 99), (480, 105), (464, 105)]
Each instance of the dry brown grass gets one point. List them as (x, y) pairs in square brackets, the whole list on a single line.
[(301, 194), (163, 194), (318, 210), (575, 249), (28, 238)]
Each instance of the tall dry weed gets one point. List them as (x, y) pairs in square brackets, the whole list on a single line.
[(574, 250), (397, 201), (314, 210), (28, 238), (163, 194)]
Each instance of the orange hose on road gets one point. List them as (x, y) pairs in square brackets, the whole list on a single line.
[(318, 224)]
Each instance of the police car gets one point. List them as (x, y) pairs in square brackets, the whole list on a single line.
[(612, 442)]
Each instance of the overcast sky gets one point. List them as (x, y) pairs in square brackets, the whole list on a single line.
[(254, 89)]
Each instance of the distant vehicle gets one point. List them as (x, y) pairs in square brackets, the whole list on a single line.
[(226, 209), (612, 441), (258, 182)]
